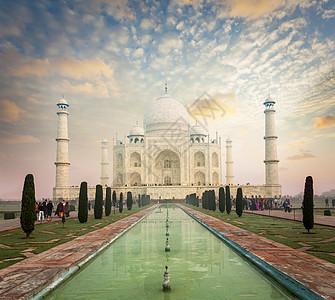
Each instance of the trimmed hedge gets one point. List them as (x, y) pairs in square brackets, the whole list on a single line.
[(327, 212), (72, 207), (9, 215)]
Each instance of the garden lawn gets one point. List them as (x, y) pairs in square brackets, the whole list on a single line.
[(15, 247), (320, 242)]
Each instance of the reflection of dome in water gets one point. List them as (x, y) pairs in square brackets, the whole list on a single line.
[(166, 113)]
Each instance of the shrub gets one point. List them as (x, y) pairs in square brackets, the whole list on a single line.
[(327, 212), (28, 213), (83, 203), (307, 210), (72, 207), (212, 200), (221, 200), (239, 202), (114, 200), (121, 203), (129, 201), (98, 202), (9, 215), (108, 205), (228, 200)]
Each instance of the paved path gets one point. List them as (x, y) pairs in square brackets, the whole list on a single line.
[(297, 216), (15, 223), (317, 274)]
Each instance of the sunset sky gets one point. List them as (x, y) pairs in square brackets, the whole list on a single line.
[(111, 60)]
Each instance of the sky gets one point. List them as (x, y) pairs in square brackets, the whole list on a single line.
[(110, 59)]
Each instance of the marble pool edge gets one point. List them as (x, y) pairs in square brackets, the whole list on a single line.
[(291, 284), (72, 270)]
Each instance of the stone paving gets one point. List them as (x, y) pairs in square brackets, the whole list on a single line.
[(317, 274), (297, 216), (28, 277)]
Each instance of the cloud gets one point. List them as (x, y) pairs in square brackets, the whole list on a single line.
[(253, 8), (303, 154), (170, 41), (296, 144), (324, 122), (147, 24), (9, 111), (20, 139), (33, 100), (63, 65)]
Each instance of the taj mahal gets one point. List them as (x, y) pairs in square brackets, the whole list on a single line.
[(168, 158)]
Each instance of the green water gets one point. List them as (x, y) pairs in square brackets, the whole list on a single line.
[(200, 266)]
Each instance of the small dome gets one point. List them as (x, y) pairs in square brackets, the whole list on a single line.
[(104, 141), (198, 130), (165, 113), (136, 130), (63, 101)]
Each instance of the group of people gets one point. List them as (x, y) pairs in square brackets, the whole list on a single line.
[(44, 210)]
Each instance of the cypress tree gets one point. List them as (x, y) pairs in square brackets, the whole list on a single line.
[(98, 202), (108, 205), (205, 200), (121, 203), (83, 203), (228, 200), (307, 211), (28, 212), (239, 203), (139, 200), (221, 200), (197, 201), (213, 201), (129, 201), (114, 200)]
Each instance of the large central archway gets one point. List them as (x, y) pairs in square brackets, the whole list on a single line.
[(167, 168)]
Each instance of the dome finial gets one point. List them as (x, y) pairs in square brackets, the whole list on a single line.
[(165, 87)]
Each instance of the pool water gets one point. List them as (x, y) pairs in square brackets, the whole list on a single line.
[(200, 266)]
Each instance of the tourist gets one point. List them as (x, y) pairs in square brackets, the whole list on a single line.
[(67, 209), (44, 205), (49, 209), (89, 205), (40, 212), (60, 209)]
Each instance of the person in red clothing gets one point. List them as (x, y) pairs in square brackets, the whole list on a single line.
[(61, 209)]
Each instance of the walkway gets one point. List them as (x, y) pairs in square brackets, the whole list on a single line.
[(15, 223), (295, 215)]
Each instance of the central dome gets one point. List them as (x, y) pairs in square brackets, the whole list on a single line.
[(166, 113)]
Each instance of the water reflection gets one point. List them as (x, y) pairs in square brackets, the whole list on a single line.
[(200, 266)]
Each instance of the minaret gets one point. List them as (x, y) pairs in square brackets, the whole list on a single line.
[(271, 161), (104, 163), (62, 158), (229, 163)]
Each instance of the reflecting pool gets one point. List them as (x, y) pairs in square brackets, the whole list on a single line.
[(200, 266)]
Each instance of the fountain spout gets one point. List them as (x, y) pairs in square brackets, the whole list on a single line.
[(167, 246), (166, 282)]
